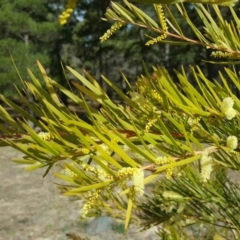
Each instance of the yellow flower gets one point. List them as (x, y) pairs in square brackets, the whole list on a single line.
[(137, 177), (67, 12), (150, 124), (227, 108), (230, 114), (166, 160), (138, 181), (91, 202), (206, 166), (125, 172), (85, 151), (232, 142), (85, 210), (111, 31), (45, 136), (161, 160), (163, 23), (69, 172)]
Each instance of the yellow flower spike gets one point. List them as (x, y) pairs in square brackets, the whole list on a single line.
[(156, 40), (91, 201), (137, 177), (69, 172), (169, 173), (66, 15), (111, 31), (67, 12), (150, 124), (169, 170), (156, 95), (206, 166), (89, 168), (45, 136), (227, 108), (62, 22), (126, 172), (138, 181), (221, 54), (230, 114), (161, 16), (232, 142), (161, 160), (85, 151), (85, 210), (226, 104), (194, 124), (165, 160), (163, 23)]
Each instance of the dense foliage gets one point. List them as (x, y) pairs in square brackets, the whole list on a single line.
[(165, 155)]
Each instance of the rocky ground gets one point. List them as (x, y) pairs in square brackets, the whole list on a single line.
[(32, 208)]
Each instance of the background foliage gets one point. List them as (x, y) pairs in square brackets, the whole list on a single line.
[(33, 34)]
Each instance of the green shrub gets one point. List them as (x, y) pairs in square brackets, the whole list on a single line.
[(161, 158)]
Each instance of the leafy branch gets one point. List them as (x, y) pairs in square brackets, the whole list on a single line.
[(214, 38), (186, 131)]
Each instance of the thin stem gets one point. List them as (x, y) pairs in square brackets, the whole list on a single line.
[(186, 39)]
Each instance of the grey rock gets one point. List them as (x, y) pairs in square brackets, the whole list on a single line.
[(99, 225)]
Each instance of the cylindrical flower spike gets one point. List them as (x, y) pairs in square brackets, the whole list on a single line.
[(227, 108), (232, 142), (206, 167), (67, 12), (138, 181)]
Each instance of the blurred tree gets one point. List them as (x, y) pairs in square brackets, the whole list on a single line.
[(28, 31)]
